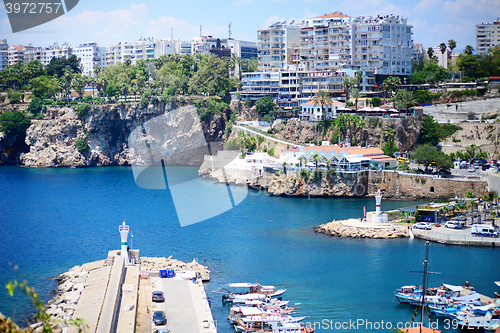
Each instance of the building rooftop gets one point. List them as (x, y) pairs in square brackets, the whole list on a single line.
[(333, 103), (336, 14)]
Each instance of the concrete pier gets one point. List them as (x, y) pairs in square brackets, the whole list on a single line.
[(116, 299)]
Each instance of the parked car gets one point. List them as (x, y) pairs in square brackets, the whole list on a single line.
[(162, 330), (159, 318), (447, 172), (471, 169), (485, 167), (422, 225), (403, 160), (158, 296), (453, 225)]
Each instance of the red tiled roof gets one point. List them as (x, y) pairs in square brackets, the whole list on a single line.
[(336, 14)]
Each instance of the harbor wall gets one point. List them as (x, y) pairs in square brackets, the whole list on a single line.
[(400, 185), (109, 312)]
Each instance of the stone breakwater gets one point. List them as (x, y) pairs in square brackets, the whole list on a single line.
[(72, 283), (338, 229)]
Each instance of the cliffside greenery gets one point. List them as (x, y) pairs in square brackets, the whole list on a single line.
[(432, 132), (14, 124), (266, 108), (82, 145)]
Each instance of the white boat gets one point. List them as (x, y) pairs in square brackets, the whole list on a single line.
[(251, 289), (269, 324)]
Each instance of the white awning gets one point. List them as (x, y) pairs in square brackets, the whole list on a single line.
[(452, 287), (241, 285), (246, 310), (467, 298)]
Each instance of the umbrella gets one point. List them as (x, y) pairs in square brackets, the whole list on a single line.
[(378, 109), (393, 110), (366, 109)]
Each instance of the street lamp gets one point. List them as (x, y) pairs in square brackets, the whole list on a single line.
[(132, 248)]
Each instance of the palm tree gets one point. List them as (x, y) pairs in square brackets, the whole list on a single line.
[(390, 134), (359, 78), (316, 159), (346, 84), (452, 44), (442, 47), (407, 98), (430, 53), (301, 160), (468, 50), (323, 98), (284, 167), (356, 95)]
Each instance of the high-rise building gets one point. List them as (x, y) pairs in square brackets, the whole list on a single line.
[(91, 56), (4, 54), (276, 45), (487, 36), (337, 42)]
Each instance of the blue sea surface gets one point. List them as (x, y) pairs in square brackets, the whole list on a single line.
[(54, 219)]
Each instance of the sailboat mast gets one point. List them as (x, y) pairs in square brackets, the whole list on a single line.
[(426, 262)]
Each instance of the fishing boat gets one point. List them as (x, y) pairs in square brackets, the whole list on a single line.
[(251, 291), (242, 313), (402, 294), (269, 324)]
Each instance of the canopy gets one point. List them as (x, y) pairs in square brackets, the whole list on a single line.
[(467, 298), (378, 109), (393, 110), (247, 311), (452, 287), (241, 285), (366, 109)]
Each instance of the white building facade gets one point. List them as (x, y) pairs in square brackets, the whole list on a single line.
[(487, 36), (91, 56), (4, 54), (276, 45)]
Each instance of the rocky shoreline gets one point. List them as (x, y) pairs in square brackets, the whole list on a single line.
[(72, 283), (337, 229)]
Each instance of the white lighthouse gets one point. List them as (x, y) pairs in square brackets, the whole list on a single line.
[(124, 236), (378, 200)]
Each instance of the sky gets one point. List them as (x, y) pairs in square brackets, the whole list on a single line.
[(108, 22)]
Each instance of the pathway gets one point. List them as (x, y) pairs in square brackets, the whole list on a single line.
[(266, 136)]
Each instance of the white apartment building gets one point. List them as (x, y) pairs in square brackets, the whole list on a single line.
[(276, 45), (21, 54), (144, 48), (91, 55), (336, 42), (184, 47), (4, 54), (443, 58), (55, 51), (208, 44), (487, 35)]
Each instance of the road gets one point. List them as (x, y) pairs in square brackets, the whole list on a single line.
[(265, 136)]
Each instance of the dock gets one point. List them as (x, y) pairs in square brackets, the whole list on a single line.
[(455, 237), (116, 297)]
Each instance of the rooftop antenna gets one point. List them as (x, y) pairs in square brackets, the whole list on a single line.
[(230, 25), (172, 32), (200, 31)]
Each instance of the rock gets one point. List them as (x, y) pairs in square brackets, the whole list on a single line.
[(337, 229)]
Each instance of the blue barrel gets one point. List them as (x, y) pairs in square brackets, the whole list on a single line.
[(171, 273), (163, 273)]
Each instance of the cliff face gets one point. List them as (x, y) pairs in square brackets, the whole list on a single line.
[(334, 185), (106, 129)]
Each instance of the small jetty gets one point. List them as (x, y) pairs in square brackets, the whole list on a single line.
[(115, 294)]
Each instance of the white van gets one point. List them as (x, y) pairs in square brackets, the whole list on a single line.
[(483, 230)]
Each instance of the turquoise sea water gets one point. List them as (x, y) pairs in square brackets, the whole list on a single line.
[(54, 219)]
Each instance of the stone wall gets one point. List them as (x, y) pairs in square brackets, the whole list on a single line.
[(399, 185), (460, 111)]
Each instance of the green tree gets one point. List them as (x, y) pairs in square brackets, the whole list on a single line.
[(36, 106), (407, 98), (376, 101), (468, 50), (44, 85), (442, 48), (390, 84), (431, 69), (452, 44), (390, 133), (425, 154), (430, 53), (430, 132), (324, 100), (58, 66), (14, 124), (112, 90), (265, 105)]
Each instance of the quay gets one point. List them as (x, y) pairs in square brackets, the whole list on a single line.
[(114, 296), (455, 237)]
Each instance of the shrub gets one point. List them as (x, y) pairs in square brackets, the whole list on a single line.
[(232, 145), (248, 103), (87, 99), (373, 121), (82, 110), (82, 145), (14, 123), (36, 106), (14, 97), (271, 152)]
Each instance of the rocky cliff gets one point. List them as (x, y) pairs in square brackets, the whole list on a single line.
[(329, 185), (106, 129)]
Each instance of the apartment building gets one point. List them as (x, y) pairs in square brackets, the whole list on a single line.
[(443, 58), (210, 45), (4, 54), (243, 49), (21, 54), (337, 42), (91, 56), (144, 48), (55, 51), (487, 35), (276, 45)]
